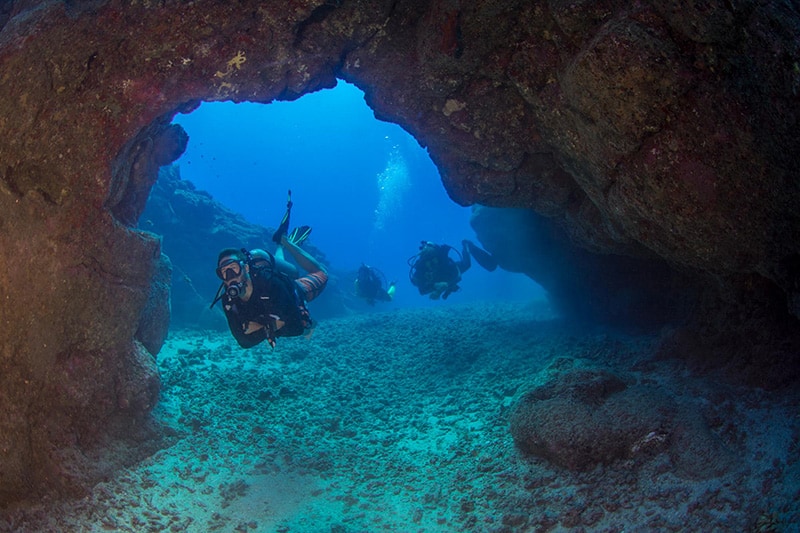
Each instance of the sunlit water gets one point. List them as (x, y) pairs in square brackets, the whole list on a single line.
[(368, 189)]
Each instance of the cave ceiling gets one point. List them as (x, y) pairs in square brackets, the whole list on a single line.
[(660, 128)]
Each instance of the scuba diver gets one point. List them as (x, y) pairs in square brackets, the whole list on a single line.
[(370, 285), (264, 297), (434, 272)]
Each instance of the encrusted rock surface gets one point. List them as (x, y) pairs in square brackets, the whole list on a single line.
[(588, 417), (639, 128)]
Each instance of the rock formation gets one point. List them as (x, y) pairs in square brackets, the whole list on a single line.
[(654, 130), (588, 417)]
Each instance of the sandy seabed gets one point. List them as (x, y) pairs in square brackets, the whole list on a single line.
[(399, 421)]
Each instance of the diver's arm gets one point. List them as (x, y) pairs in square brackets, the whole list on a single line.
[(245, 340), (383, 296), (303, 258)]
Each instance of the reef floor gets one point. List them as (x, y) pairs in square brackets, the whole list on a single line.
[(399, 421)]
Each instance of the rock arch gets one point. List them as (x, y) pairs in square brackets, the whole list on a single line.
[(643, 129)]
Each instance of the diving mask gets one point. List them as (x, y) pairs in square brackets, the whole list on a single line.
[(229, 270)]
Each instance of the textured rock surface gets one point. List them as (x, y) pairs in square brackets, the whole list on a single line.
[(588, 417), (640, 128), (423, 443)]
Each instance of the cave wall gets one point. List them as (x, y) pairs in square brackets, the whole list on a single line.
[(639, 128), (635, 293)]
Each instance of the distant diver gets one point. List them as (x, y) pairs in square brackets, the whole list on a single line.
[(434, 272), (370, 285), (262, 295)]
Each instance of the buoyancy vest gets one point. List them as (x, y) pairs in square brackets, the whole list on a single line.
[(276, 294), (432, 265), (274, 298)]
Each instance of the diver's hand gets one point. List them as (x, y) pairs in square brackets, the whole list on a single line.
[(253, 327)]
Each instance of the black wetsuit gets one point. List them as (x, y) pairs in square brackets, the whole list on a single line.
[(275, 297), (370, 286), (434, 265)]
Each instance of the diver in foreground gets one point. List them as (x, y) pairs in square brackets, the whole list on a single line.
[(264, 297)]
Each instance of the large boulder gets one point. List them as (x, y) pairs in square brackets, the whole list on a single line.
[(590, 417)]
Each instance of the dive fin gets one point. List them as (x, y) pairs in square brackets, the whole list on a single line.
[(299, 235), (283, 227), (482, 257)]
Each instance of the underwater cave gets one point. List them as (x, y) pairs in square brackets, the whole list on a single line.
[(647, 147)]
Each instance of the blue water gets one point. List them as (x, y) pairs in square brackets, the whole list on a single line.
[(368, 189)]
